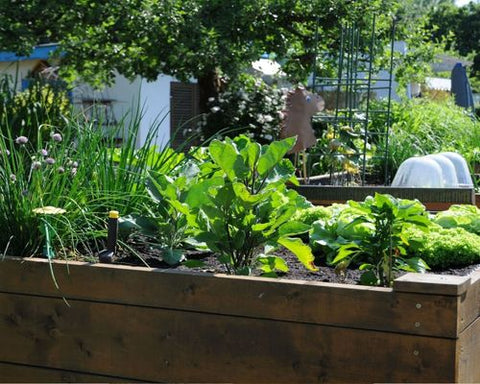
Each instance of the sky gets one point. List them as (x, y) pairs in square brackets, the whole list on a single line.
[(461, 2)]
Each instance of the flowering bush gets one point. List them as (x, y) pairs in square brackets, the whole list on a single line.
[(248, 106)]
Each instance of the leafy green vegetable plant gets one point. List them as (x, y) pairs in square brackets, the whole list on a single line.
[(243, 210), (444, 247), (372, 235), (164, 221), (460, 215)]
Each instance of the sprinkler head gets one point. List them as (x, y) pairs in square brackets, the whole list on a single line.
[(105, 256)]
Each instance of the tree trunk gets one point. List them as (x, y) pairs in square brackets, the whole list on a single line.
[(210, 85)]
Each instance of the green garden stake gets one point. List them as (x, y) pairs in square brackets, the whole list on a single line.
[(48, 251), (106, 255), (47, 248)]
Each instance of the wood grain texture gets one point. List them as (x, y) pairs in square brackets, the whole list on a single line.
[(440, 196), (155, 325), (19, 373), (179, 346), (469, 303), (319, 303), (468, 354)]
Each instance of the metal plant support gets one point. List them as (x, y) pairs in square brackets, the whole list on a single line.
[(355, 87)]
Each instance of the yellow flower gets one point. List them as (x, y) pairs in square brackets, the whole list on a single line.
[(49, 210)]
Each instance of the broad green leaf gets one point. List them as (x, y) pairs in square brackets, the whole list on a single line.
[(345, 251), (281, 173), (301, 250), (421, 221), (225, 196), (369, 278), (243, 193), (227, 157), (270, 264), (238, 239), (273, 154), (198, 194), (252, 151), (193, 263), (366, 267), (293, 228), (173, 256), (417, 264), (182, 208), (144, 225), (261, 226)]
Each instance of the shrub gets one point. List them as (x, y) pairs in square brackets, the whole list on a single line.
[(248, 106), (34, 112), (422, 126)]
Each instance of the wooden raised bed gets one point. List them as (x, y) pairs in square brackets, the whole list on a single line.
[(434, 199), (137, 324)]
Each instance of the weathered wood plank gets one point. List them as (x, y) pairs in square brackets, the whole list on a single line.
[(319, 303), (445, 196), (469, 303), (178, 346), (429, 206), (468, 354), (19, 373), (432, 284)]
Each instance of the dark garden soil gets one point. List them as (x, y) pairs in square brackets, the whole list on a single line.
[(151, 257)]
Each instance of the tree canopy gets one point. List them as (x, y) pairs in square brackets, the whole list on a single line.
[(208, 40), (459, 27)]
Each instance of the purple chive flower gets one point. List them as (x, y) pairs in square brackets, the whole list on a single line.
[(44, 152), (13, 178), (61, 170), (36, 165), (50, 160), (21, 140), (7, 152), (75, 164), (57, 137)]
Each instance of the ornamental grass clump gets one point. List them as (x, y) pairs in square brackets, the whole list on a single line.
[(75, 167), (29, 180)]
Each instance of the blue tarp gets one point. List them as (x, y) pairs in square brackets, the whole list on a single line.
[(41, 52), (461, 87)]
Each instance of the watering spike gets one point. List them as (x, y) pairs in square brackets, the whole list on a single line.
[(106, 255)]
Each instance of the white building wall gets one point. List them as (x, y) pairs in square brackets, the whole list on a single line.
[(155, 107), (149, 101), (17, 70)]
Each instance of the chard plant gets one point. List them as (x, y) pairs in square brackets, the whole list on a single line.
[(372, 235), (242, 209), (164, 221)]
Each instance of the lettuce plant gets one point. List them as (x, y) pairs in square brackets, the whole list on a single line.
[(445, 247), (243, 210), (460, 215)]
